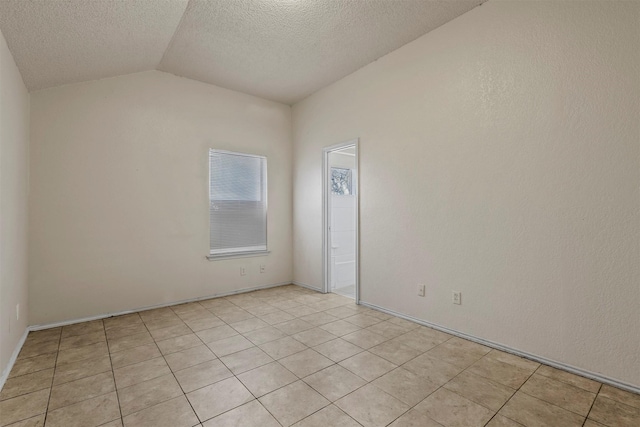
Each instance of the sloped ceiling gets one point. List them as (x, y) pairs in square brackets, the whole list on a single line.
[(283, 50)]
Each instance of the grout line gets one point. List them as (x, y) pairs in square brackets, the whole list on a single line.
[(592, 403), (55, 367)]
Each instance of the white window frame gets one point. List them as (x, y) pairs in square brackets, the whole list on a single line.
[(247, 251)]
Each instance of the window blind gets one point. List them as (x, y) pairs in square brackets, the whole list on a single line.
[(237, 203)]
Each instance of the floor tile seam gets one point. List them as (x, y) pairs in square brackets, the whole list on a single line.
[(631, 407), (115, 386), (566, 382), (592, 403), (512, 396), (50, 386), (174, 377)]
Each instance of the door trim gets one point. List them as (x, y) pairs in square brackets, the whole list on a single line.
[(326, 256)]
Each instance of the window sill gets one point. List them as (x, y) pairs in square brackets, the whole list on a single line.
[(219, 257)]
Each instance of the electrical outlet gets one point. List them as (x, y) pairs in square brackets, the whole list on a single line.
[(457, 297), (18, 311), (263, 268), (243, 271), (420, 290)]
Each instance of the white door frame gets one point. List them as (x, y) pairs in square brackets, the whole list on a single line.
[(326, 247)]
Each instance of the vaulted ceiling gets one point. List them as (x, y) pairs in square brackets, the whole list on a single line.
[(283, 50)]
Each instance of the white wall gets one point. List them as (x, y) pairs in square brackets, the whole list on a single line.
[(14, 175), (499, 157), (119, 193)]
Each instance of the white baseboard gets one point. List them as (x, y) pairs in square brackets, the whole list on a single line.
[(304, 285), (150, 307), (563, 366), (14, 357)]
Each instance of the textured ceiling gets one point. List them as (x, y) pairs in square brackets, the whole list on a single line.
[(282, 50)]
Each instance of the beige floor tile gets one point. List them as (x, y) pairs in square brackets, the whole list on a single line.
[(293, 402), (38, 348), (417, 340), (83, 328), (267, 378), (294, 326), (522, 363), (249, 325), (163, 322), (591, 423), (453, 410), (480, 390), (123, 321), (532, 412), (561, 394), (328, 416), (148, 393), (135, 355), (340, 328), (173, 345), (171, 332), (246, 360), (282, 347), (202, 375), (276, 317), (229, 345), (387, 329), (614, 414), (37, 421), (82, 389), (454, 355), (395, 352), (264, 335), (415, 418), (305, 362), (129, 341), (342, 311), (435, 370), (249, 414), (202, 323), (364, 339), (301, 310), (92, 351), (626, 397), (139, 372), (405, 386), (82, 340), (23, 407), (371, 406), (501, 372), (263, 309), (33, 364), (313, 337), (88, 413), (190, 357), (338, 349), (219, 397), (44, 335), (27, 383), (367, 365), (569, 378), (172, 413), (318, 319), (500, 421), (217, 333), (84, 368), (235, 316), (334, 382), (362, 320), (119, 332)]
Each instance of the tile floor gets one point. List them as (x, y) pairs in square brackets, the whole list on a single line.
[(288, 356)]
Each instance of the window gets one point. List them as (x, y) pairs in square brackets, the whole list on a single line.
[(341, 181), (237, 203)]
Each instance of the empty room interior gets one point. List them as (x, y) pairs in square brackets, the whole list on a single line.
[(319, 213)]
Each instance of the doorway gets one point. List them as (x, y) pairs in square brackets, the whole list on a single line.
[(340, 214)]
